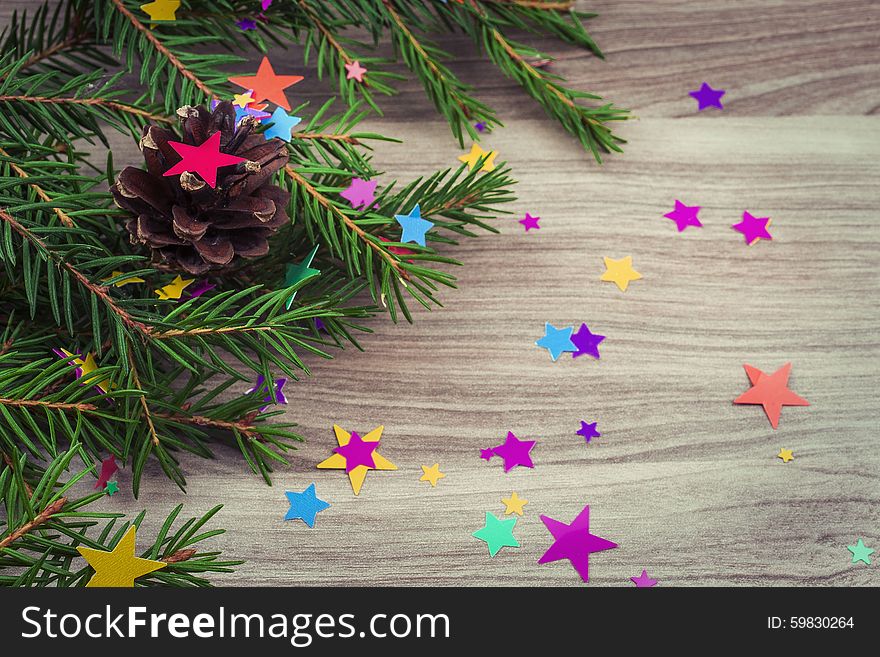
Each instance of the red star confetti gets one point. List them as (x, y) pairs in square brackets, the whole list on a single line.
[(770, 391)]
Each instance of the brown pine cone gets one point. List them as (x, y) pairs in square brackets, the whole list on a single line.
[(186, 223)]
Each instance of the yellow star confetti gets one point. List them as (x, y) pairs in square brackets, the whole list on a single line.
[(359, 473), (124, 281), (119, 567), (86, 367), (174, 289), (161, 10), (476, 153), (243, 100), (620, 272), (514, 504), (785, 455), (432, 474)]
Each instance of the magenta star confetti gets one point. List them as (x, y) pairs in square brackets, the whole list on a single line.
[(108, 469), (643, 581), (357, 452), (530, 222), (586, 342), (753, 228), (487, 454), (684, 215), (246, 24), (199, 289), (707, 97), (574, 542), (514, 452), (588, 430), (265, 4), (360, 193), (398, 250), (279, 391)]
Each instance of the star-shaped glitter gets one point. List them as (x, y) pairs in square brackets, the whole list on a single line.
[(557, 341), (487, 454), (246, 24), (111, 488), (175, 288), (119, 567), (108, 469), (753, 228), (770, 391), (432, 474), (514, 452), (261, 386), (414, 227), (282, 125), (684, 215), (530, 222), (514, 504), (586, 342), (497, 533), (480, 126), (474, 156), (305, 505), (357, 452), (785, 455), (359, 473), (161, 10), (620, 272), (243, 100), (861, 552), (123, 281), (354, 71), (643, 581), (706, 96), (267, 85), (588, 431), (574, 542), (203, 159), (360, 193), (299, 272), (265, 4)]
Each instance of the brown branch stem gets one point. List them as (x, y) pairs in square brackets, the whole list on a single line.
[(39, 403), (326, 136), (100, 102), (143, 399), (39, 191), (202, 421), (160, 47), (44, 516), (360, 232)]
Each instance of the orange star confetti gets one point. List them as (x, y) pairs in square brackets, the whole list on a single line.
[(770, 391), (267, 85)]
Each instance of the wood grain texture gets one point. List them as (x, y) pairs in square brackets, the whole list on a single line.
[(686, 482)]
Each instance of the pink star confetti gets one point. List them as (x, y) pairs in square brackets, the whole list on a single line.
[(684, 215), (203, 159), (643, 581), (355, 71), (360, 193), (487, 454), (530, 222), (753, 228)]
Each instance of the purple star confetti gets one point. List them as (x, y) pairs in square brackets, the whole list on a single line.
[(514, 452), (530, 222), (360, 193), (684, 215), (199, 289), (480, 126), (753, 228), (246, 24), (357, 452), (706, 96), (588, 431), (574, 542), (279, 391), (643, 581), (586, 342)]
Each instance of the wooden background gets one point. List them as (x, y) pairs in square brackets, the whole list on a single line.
[(686, 482)]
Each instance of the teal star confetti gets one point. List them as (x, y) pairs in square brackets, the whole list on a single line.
[(300, 272), (305, 506), (111, 488), (556, 341), (414, 227), (861, 552), (497, 533)]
